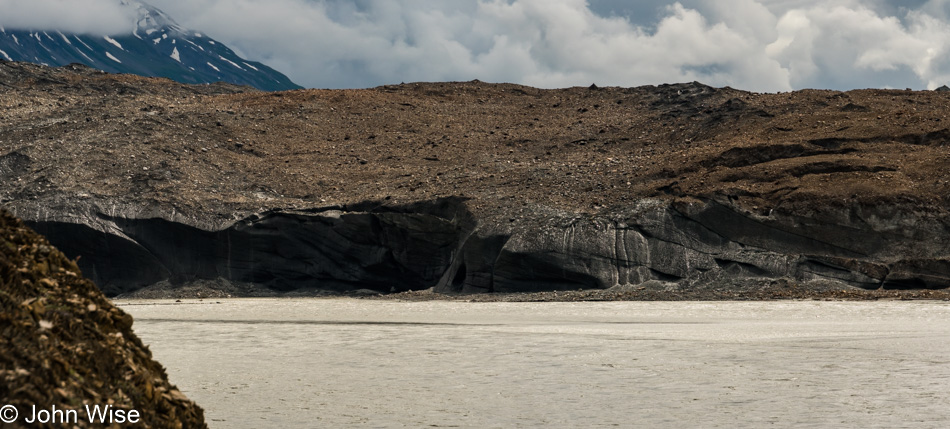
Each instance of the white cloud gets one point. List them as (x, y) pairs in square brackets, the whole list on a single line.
[(544, 43), (102, 17), (937, 8), (765, 45), (831, 43)]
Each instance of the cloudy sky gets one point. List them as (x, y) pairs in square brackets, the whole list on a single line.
[(760, 45)]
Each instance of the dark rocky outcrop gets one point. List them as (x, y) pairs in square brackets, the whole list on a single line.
[(330, 250), (64, 345), (686, 244)]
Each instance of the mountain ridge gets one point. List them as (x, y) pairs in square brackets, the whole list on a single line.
[(155, 46)]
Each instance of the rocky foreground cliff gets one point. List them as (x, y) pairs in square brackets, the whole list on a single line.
[(475, 187), (64, 346)]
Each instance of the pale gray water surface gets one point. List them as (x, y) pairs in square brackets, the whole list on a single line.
[(341, 362)]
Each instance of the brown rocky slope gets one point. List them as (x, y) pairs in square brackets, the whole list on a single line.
[(477, 187), (65, 346)]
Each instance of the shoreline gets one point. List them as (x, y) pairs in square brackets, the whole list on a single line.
[(607, 295), (771, 291)]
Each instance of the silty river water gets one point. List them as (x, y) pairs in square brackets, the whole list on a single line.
[(255, 363)]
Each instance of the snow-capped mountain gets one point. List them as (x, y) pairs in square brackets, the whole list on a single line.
[(155, 46)]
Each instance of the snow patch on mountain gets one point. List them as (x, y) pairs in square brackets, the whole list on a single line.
[(111, 57), (175, 56), (83, 43), (114, 42), (231, 62)]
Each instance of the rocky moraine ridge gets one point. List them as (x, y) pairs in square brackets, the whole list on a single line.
[(66, 347), (475, 187)]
